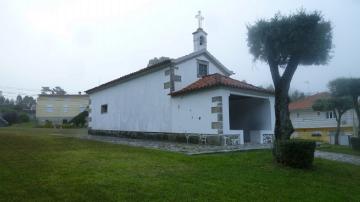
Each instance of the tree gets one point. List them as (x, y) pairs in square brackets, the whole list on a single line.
[(80, 119), (58, 91), (18, 100), (348, 87), (46, 90), (296, 95), (338, 105), (2, 100), (28, 102), (284, 42), (54, 91)]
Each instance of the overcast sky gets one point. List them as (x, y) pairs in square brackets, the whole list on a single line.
[(80, 44)]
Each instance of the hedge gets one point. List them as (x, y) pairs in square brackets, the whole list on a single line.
[(355, 143), (295, 153)]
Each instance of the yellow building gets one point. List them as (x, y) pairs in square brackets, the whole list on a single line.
[(316, 125), (60, 108)]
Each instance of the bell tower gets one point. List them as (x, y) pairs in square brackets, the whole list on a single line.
[(199, 36)]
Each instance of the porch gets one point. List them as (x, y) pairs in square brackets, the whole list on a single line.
[(250, 118)]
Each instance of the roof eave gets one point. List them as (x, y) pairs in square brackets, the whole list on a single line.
[(130, 76), (179, 93)]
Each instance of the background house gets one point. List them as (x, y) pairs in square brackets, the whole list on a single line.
[(315, 124), (59, 109)]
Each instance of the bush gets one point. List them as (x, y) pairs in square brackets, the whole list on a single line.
[(48, 124), (295, 153), (11, 117), (23, 118), (355, 143), (80, 119), (67, 125)]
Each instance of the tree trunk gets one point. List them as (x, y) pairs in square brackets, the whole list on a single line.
[(283, 125), (357, 110), (337, 133)]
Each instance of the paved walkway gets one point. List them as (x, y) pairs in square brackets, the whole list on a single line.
[(338, 157), (189, 149), (193, 149)]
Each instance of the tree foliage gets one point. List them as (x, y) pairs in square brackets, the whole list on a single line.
[(305, 36), (296, 95), (52, 91), (286, 42), (348, 87), (80, 119)]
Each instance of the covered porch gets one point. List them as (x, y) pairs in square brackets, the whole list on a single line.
[(249, 118)]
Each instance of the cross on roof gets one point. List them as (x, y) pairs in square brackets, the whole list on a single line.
[(200, 18)]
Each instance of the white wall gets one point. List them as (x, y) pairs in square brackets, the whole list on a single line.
[(191, 113), (310, 119), (141, 104), (188, 71)]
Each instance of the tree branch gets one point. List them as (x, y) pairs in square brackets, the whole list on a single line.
[(289, 72), (274, 69)]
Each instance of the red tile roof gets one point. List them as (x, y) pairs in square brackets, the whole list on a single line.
[(307, 102), (219, 80)]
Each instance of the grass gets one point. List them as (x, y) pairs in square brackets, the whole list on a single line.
[(30, 124), (338, 149), (36, 166)]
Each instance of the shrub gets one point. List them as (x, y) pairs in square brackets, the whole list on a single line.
[(67, 125), (11, 117), (355, 143), (48, 124), (295, 153), (80, 119), (23, 118)]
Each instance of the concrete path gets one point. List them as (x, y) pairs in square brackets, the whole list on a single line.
[(194, 149), (189, 149), (346, 158)]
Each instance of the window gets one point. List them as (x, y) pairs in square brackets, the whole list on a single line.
[(201, 41), (104, 109), (316, 134), (203, 69), (330, 115), (66, 108), (82, 108), (49, 108)]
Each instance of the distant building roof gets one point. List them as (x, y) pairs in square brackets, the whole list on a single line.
[(214, 80), (307, 102), (68, 95)]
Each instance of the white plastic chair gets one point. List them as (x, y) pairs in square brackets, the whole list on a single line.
[(203, 139), (236, 141)]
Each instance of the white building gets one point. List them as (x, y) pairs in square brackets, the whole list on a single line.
[(175, 98)]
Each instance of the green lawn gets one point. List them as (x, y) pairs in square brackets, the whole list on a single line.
[(338, 149), (36, 166)]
